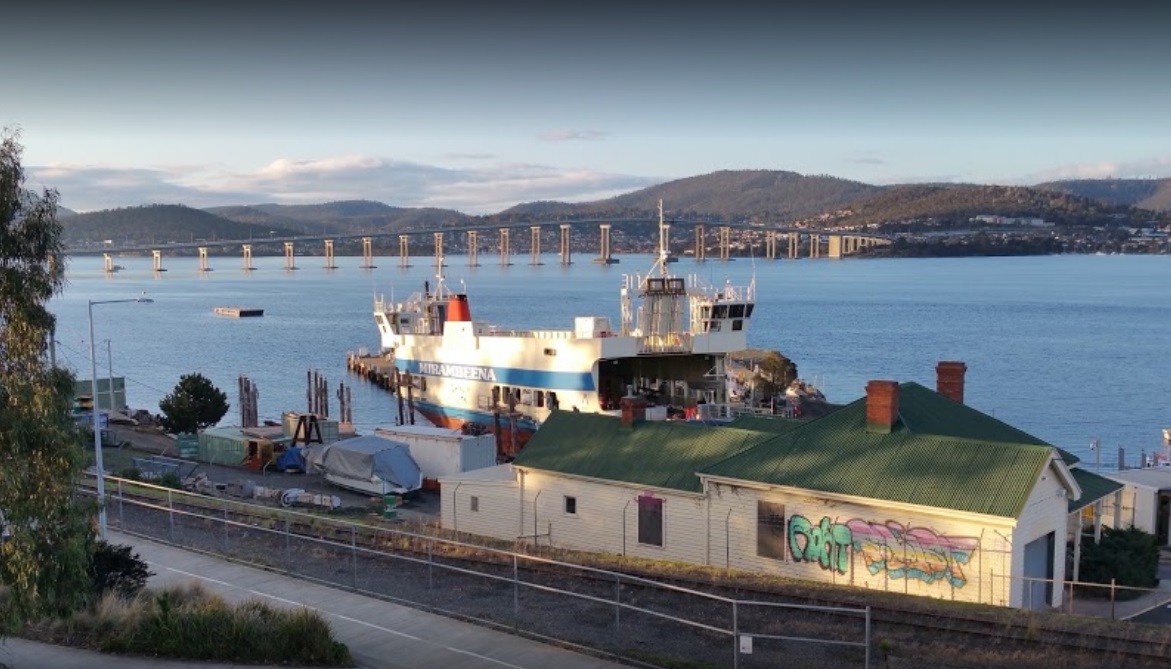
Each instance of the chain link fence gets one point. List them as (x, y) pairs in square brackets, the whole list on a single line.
[(634, 618)]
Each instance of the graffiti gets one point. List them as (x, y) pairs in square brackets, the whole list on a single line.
[(827, 543), (912, 553), (916, 552)]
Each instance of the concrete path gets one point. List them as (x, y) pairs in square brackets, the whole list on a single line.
[(379, 634)]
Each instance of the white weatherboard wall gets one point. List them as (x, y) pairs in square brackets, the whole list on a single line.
[(607, 517), (1045, 511), (863, 542), (495, 510)]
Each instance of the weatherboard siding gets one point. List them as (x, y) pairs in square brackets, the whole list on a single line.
[(607, 517), (859, 542), (1045, 511), (497, 508)]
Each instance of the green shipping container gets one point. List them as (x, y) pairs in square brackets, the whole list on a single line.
[(188, 445)]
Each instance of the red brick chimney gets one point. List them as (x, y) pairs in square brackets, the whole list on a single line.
[(633, 410), (882, 405), (949, 379)]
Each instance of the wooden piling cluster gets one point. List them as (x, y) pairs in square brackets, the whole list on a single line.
[(381, 372)]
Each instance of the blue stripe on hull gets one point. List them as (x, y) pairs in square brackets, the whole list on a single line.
[(511, 376), (470, 416)]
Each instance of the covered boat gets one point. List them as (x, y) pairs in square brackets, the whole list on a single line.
[(368, 464)]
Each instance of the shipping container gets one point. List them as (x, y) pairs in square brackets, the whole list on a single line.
[(443, 451)]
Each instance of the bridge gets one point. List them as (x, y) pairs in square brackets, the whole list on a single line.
[(778, 241)]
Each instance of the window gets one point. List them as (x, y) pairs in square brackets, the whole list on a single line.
[(570, 505), (540, 398), (551, 351), (770, 530), (736, 311), (650, 521), (720, 311), (737, 325), (475, 503)]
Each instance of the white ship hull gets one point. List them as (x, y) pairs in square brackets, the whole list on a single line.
[(669, 346)]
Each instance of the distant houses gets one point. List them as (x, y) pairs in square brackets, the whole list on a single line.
[(905, 490)]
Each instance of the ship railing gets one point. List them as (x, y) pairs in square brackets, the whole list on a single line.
[(676, 342), (535, 334)]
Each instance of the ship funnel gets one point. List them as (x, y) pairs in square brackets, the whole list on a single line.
[(458, 309)]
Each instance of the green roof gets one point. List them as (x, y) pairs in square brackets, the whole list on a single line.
[(663, 454), (771, 424), (940, 453), (1093, 487)]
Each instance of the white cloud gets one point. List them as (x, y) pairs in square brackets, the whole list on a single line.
[(572, 135), (481, 189)]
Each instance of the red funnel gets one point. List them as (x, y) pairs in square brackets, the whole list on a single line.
[(458, 309)]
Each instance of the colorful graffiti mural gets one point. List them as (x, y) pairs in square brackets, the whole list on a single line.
[(827, 543), (903, 552)]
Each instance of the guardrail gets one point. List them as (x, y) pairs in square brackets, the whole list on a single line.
[(637, 619)]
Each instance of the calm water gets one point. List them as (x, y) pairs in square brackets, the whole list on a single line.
[(1068, 348)]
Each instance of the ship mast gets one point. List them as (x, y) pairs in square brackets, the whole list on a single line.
[(664, 252)]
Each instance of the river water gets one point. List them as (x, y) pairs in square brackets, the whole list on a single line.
[(1068, 348)]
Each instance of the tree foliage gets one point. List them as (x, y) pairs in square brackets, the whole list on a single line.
[(1130, 556), (774, 373), (43, 562), (117, 569), (193, 405)]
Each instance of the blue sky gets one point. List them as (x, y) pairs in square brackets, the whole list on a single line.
[(478, 110)]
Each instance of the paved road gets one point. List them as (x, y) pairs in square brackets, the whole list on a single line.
[(379, 634)]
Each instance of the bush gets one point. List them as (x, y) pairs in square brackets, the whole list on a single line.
[(1129, 556), (113, 569)]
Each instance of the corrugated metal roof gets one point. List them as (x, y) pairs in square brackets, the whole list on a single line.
[(1093, 487), (940, 453), (663, 454)]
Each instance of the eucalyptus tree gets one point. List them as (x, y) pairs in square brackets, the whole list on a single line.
[(45, 550)]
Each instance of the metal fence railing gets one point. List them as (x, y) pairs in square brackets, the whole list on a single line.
[(638, 619)]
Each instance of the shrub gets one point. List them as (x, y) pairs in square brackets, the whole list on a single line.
[(1129, 556), (113, 569)]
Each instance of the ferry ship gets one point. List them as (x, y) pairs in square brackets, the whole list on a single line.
[(670, 346)]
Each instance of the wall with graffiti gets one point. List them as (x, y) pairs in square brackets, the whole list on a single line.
[(931, 554), (918, 553)]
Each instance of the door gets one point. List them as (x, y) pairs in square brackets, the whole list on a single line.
[(1163, 519), (1038, 565)]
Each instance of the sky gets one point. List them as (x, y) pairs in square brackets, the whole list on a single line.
[(480, 107)]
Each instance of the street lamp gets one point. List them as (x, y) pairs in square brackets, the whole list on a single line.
[(93, 359)]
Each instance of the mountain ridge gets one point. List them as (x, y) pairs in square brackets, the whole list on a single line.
[(754, 196)]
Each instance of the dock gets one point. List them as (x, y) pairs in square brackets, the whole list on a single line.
[(239, 312)]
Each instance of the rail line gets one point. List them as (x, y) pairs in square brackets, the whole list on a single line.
[(1029, 630)]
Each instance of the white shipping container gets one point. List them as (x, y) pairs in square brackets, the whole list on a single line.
[(441, 451)]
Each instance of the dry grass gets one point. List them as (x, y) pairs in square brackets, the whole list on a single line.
[(189, 622)]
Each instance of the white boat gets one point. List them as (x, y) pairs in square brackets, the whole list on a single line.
[(669, 346)]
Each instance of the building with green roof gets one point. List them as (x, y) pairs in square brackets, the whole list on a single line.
[(906, 489)]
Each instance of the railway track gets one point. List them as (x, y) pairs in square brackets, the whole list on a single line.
[(1118, 644)]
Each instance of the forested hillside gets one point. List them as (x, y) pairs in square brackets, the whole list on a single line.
[(1153, 194)]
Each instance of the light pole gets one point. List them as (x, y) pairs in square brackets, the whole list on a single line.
[(93, 360)]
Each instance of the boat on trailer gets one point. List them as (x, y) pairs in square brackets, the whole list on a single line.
[(670, 346)]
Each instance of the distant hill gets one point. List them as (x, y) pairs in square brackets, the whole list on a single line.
[(156, 223), (733, 196), (957, 203), (726, 195), (347, 216), (64, 212), (1153, 194)]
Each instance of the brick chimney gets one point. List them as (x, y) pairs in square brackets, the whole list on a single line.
[(882, 405), (633, 410), (949, 379)]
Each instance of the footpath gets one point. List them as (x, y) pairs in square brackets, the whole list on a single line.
[(380, 634)]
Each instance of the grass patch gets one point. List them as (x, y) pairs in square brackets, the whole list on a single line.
[(188, 622)]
